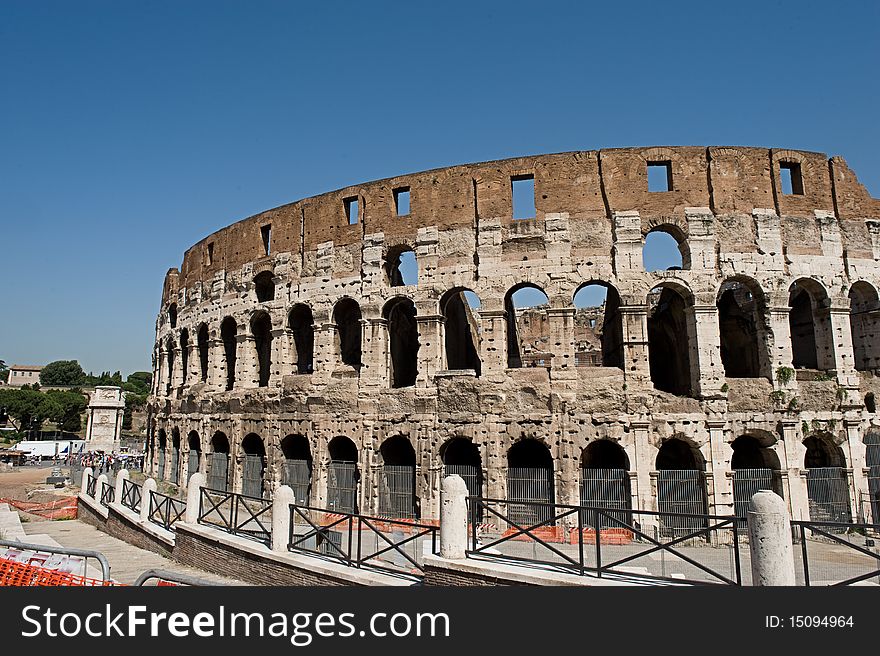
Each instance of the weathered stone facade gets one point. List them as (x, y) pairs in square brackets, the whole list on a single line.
[(105, 412), (294, 322)]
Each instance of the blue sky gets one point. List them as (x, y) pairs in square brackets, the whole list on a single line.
[(130, 130)]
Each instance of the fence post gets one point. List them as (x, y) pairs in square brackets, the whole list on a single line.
[(149, 486), (99, 487), (281, 502), (770, 540), (194, 497), (453, 517), (121, 477), (84, 483)]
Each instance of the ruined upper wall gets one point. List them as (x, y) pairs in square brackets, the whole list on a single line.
[(589, 186)]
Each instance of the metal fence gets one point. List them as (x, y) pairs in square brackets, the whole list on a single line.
[(192, 465), (623, 549), (828, 495), (397, 496), (681, 500), (252, 475), (342, 479), (218, 471), (165, 510), (872, 503), (533, 486), (237, 514), (609, 489), (91, 484), (108, 493), (388, 545), (131, 495), (298, 475), (473, 479), (746, 483), (175, 465), (160, 474), (835, 553)]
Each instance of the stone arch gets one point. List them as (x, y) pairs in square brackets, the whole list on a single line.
[(811, 336), (528, 338), (301, 323), (671, 334), (261, 329), (297, 468), (401, 266), (228, 335), (864, 320), (827, 480), (605, 483), (461, 456), (397, 484), (743, 329), (194, 448), (403, 341), (461, 330), (598, 325), (681, 487), (253, 460), (172, 315), (347, 317), (218, 465), (202, 341), (604, 454), (530, 482), (343, 475), (755, 467), (666, 248), (264, 286)]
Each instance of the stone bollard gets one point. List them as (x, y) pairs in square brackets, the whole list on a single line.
[(194, 497), (148, 486), (99, 487), (284, 498), (121, 477), (453, 517), (770, 540), (85, 480)]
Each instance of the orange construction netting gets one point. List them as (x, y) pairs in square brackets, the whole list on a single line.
[(63, 508), (13, 573)]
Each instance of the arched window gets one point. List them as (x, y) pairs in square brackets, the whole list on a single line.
[(743, 330), (530, 479), (827, 483), (347, 317), (811, 342), (681, 488), (261, 329), (460, 456), (264, 286), (175, 456), (203, 351), (666, 249), (342, 475), (402, 267), (218, 469), (864, 321), (297, 467), (403, 341), (598, 326), (670, 331), (397, 487), (301, 324), (184, 354), (170, 362), (195, 454), (228, 332), (461, 329), (163, 444), (605, 484), (253, 465), (172, 315), (755, 467), (528, 329)]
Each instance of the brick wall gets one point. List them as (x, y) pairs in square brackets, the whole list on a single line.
[(441, 576), (86, 514), (124, 528)]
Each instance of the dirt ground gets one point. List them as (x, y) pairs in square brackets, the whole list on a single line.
[(29, 484)]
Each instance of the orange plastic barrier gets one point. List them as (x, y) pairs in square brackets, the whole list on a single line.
[(13, 573), (63, 508)]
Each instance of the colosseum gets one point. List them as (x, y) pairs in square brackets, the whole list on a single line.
[(503, 321)]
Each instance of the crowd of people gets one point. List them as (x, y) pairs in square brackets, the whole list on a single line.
[(101, 462)]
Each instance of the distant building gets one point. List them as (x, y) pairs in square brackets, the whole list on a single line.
[(23, 374)]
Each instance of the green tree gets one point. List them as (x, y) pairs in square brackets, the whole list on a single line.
[(4, 372), (139, 382), (72, 404), (29, 408), (62, 372)]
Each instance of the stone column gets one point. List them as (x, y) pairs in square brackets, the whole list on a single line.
[(644, 466), (194, 368), (374, 353), (194, 497), (326, 350), (634, 319), (772, 556), (148, 486), (430, 347), (216, 365), (453, 517), (287, 357), (856, 454), (281, 502), (161, 374), (493, 342), (844, 360), (121, 477), (798, 503), (561, 320), (177, 373), (247, 370), (722, 491), (707, 370), (280, 364), (780, 354)]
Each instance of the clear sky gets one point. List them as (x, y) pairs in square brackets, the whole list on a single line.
[(130, 130)]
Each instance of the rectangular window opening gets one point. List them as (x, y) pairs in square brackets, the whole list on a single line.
[(266, 233), (351, 210), (523, 193), (401, 201), (209, 256), (659, 176), (791, 178)]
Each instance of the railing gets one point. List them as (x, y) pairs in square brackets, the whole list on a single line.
[(237, 514), (389, 545), (165, 510), (634, 543), (823, 562), (91, 484), (108, 493), (131, 495)]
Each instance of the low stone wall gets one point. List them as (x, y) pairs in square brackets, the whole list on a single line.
[(124, 527), (91, 512)]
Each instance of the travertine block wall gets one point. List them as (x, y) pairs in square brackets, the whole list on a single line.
[(593, 211)]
